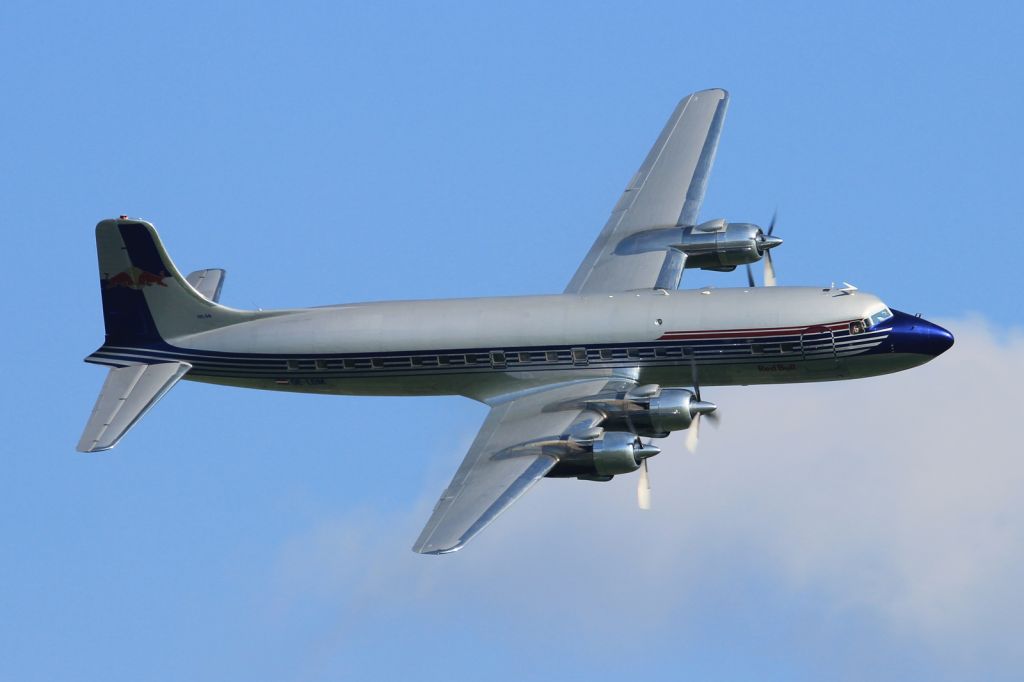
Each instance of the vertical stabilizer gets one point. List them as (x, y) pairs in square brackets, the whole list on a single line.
[(145, 298)]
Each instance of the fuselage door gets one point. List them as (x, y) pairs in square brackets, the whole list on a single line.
[(818, 343)]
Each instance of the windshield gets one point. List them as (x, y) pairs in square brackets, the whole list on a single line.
[(880, 317)]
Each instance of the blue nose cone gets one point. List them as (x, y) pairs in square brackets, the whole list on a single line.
[(913, 334), (940, 340)]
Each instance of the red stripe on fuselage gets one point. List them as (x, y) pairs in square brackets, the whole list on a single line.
[(745, 333)]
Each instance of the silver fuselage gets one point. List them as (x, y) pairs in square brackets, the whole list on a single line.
[(479, 347)]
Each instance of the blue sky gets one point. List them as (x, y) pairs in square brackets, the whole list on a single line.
[(329, 152)]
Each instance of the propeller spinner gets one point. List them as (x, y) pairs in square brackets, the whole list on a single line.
[(765, 243)]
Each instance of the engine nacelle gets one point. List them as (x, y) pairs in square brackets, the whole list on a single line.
[(615, 453), (610, 454), (714, 245), (667, 411), (651, 411), (718, 245)]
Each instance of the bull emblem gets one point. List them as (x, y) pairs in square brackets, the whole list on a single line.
[(134, 278)]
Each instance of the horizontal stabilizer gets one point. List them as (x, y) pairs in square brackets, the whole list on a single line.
[(127, 394), (207, 282)]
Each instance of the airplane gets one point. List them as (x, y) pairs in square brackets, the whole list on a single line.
[(579, 384)]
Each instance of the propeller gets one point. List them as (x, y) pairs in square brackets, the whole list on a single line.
[(769, 242), (699, 408), (643, 488), (766, 242)]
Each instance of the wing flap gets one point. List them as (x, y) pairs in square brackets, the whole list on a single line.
[(127, 394)]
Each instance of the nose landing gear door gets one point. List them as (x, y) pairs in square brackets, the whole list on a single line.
[(818, 344)]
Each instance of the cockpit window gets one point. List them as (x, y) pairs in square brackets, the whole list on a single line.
[(880, 317)]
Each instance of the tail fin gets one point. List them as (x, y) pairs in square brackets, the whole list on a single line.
[(145, 298), (146, 303)]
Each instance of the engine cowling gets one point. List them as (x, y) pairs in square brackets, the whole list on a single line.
[(718, 245), (667, 411), (713, 245), (653, 412), (615, 453), (610, 454)]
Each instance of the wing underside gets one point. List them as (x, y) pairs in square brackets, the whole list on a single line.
[(501, 466), (666, 192)]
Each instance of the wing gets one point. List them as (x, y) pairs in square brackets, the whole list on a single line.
[(126, 396), (667, 191), (493, 475)]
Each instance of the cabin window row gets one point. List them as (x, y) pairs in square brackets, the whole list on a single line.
[(576, 356)]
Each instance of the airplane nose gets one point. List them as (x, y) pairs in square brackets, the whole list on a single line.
[(941, 339), (913, 334)]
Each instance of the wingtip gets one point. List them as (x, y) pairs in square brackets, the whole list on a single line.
[(446, 550), (93, 448), (720, 93)]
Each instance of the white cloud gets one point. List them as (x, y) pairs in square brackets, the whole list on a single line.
[(897, 498)]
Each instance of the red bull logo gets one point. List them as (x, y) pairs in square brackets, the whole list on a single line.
[(134, 278)]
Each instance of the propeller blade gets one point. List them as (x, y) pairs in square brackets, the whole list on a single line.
[(696, 383), (698, 408), (771, 225), (693, 435), (769, 270), (643, 488), (750, 276)]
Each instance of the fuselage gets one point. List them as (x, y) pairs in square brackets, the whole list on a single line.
[(478, 347)]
